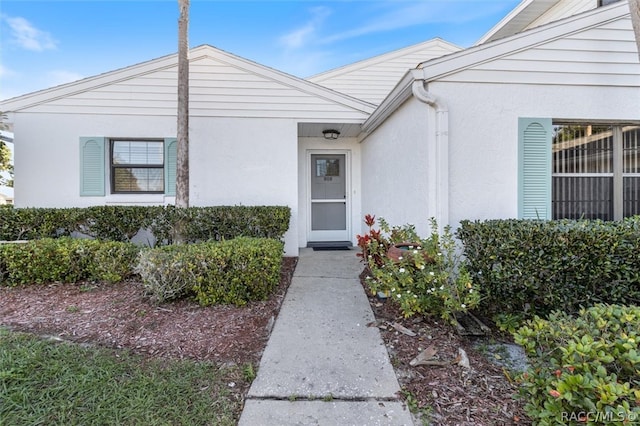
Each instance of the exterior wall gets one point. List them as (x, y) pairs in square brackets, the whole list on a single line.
[(232, 161), (483, 136), (394, 169), (245, 161), (351, 147), (48, 160)]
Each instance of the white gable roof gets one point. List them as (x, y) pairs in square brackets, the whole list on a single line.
[(533, 13), (592, 48), (372, 79), (221, 85), (595, 48)]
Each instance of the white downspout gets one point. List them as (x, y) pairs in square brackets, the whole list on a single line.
[(438, 154)]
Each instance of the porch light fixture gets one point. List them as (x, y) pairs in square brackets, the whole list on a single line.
[(331, 134)]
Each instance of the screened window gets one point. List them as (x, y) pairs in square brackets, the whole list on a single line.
[(137, 166), (596, 171)]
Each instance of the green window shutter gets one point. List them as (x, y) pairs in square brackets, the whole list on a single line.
[(534, 168), (170, 161), (92, 160)]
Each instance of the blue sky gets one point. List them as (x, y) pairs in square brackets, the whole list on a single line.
[(46, 43)]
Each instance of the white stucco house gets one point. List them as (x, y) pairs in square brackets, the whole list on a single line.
[(541, 118)]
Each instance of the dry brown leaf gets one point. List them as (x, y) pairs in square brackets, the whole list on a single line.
[(424, 356)]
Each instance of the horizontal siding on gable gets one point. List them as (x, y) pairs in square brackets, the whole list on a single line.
[(618, 56), (219, 111), (563, 9), (372, 80), (560, 67), (217, 89), (544, 78), (603, 55)]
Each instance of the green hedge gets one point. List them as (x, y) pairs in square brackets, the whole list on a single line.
[(584, 369), (122, 223), (221, 222), (535, 267), (226, 272), (35, 223), (65, 260)]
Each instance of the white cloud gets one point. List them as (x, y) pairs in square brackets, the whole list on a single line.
[(303, 35), (28, 37), (395, 15)]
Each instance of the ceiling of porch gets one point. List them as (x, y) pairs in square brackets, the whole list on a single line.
[(314, 130)]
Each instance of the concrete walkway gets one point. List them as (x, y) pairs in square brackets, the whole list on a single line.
[(322, 364)]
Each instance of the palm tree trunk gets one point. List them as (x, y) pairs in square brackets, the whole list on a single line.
[(182, 166)]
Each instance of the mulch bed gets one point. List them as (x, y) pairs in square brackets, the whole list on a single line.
[(120, 316), (446, 394)]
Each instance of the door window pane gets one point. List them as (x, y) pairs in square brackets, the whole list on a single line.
[(328, 216), (327, 167)]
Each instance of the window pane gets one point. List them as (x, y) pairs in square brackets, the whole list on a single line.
[(582, 149), (327, 167), (121, 153), (631, 148), (129, 179), (138, 152), (582, 198), (631, 196)]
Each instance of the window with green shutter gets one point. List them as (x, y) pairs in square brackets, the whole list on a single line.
[(578, 170), (135, 166)]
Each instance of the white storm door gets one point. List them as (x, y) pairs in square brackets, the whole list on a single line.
[(328, 221)]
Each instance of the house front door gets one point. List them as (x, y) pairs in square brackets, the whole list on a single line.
[(328, 198)]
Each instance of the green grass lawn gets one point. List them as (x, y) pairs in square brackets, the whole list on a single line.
[(43, 382)]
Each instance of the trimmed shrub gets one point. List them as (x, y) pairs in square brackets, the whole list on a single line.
[(534, 267), (35, 223), (66, 260), (167, 273), (114, 223), (122, 223), (110, 261), (226, 272), (220, 223), (584, 369)]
